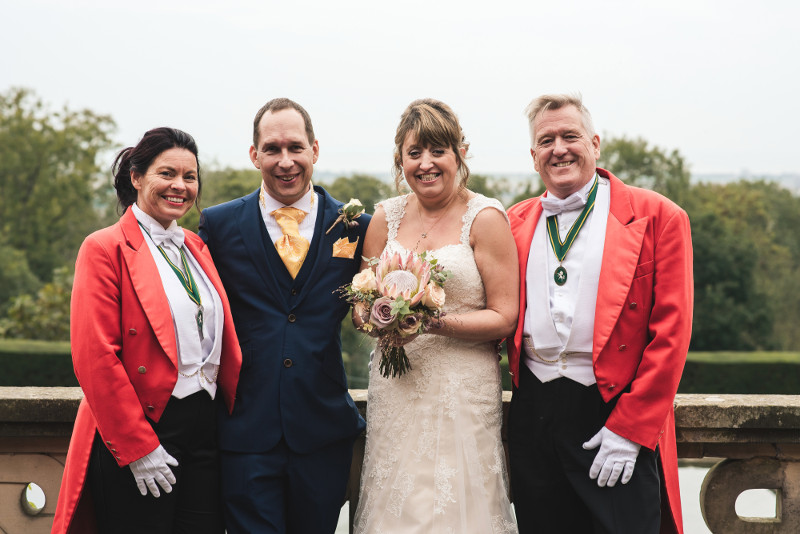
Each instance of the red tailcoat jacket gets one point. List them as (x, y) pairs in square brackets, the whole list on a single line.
[(125, 356), (643, 319)]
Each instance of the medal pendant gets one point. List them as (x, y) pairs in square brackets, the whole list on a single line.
[(199, 319), (560, 276)]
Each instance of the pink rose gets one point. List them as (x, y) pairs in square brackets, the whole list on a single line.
[(381, 314)]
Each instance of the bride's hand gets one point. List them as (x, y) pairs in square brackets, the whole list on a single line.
[(399, 341), (438, 326), (360, 316)]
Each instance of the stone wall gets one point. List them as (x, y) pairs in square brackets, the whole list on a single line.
[(756, 439)]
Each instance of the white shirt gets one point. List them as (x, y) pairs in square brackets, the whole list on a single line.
[(198, 360), (308, 203), (559, 320)]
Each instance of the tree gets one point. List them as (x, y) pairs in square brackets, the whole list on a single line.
[(728, 310), (44, 315), (750, 225), (635, 163), (48, 178), (15, 276), (490, 186), (366, 188), (529, 191), (221, 185)]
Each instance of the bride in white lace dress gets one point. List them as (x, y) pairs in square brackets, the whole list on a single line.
[(434, 460)]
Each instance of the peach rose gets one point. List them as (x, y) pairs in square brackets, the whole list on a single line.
[(365, 281), (433, 297)]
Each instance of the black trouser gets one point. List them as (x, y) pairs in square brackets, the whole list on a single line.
[(548, 424), (187, 430)]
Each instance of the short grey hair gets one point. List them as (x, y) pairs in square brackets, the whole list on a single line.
[(549, 102)]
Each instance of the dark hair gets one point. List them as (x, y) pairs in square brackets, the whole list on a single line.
[(139, 158), (432, 123), (279, 104)]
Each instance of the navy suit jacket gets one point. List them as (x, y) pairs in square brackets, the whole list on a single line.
[(292, 383)]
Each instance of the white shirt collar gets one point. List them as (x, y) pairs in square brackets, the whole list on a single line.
[(269, 204), (149, 222)]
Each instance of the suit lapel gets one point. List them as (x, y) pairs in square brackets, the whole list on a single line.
[(147, 285), (526, 230), (328, 213), (251, 226), (624, 237), (523, 226)]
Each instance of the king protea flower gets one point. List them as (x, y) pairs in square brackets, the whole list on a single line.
[(402, 275)]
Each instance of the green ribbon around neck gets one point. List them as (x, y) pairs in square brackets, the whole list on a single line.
[(560, 248), (186, 280)]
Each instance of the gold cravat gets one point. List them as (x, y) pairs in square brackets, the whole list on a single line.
[(292, 247)]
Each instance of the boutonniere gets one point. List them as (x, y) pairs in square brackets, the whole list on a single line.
[(348, 214)]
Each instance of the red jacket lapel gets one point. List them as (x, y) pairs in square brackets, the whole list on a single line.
[(147, 285), (624, 238)]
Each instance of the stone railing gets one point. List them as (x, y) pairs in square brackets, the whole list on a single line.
[(755, 439)]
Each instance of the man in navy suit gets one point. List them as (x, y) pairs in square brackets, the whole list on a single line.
[(287, 446)]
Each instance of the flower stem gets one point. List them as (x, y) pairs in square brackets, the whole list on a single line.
[(394, 361)]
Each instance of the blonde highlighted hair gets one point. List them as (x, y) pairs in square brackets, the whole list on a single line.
[(550, 102), (431, 123)]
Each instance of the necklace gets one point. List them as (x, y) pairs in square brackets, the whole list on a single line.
[(424, 234)]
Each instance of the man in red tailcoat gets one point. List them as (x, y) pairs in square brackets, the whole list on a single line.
[(604, 327)]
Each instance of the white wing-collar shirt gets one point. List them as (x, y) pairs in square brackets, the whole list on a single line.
[(198, 360), (559, 320)]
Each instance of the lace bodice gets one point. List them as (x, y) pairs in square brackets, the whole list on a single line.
[(395, 208), (464, 289)]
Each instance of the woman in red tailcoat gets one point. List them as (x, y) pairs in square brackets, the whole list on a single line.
[(155, 351)]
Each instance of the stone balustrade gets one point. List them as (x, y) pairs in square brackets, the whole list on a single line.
[(754, 438)]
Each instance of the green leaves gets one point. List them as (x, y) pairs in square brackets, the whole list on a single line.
[(50, 178), (368, 189), (44, 315), (53, 192), (400, 307), (746, 263), (636, 163)]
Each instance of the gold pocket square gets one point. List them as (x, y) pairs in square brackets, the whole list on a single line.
[(343, 248)]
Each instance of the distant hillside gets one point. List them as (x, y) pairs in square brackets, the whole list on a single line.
[(790, 181)]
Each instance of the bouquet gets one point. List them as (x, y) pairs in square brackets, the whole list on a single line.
[(396, 302)]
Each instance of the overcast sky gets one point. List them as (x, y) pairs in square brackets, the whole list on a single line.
[(717, 80)]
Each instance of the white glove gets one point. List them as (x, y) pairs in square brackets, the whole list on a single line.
[(617, 455), (153, 468)]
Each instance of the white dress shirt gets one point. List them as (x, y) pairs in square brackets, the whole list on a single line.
[(198, 360), (308, 203), (559, 320)]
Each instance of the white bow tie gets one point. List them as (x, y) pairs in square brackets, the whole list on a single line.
[(553, 206), (173, 235)]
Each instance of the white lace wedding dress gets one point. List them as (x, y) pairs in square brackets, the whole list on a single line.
[(434, 460)]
